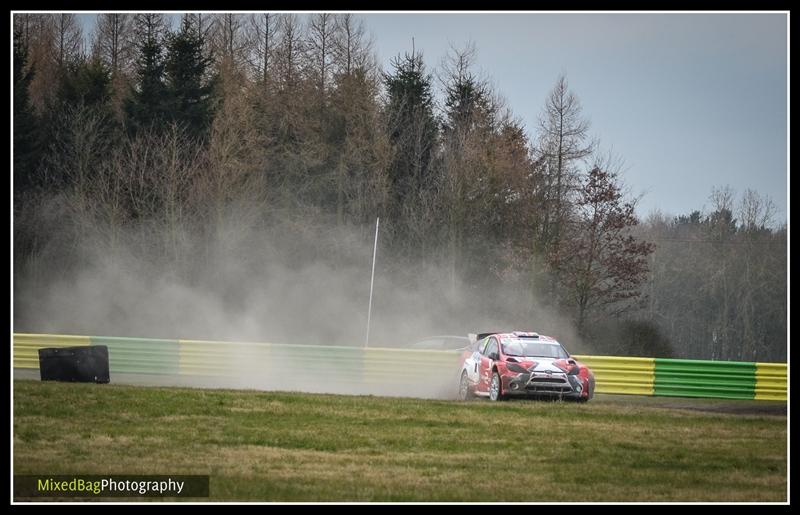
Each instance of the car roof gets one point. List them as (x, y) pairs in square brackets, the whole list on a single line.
[(443, 336), (523, 334)]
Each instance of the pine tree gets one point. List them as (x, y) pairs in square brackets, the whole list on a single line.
[(87, 83), (189, 90), (147, 104), (412, 128), (26, 137)]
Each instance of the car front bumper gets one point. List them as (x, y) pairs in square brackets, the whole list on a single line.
[(550, 385)]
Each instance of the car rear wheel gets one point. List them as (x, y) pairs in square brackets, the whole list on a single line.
[(464, 393), (495, 389)]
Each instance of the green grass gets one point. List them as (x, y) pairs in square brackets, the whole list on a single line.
[(269, 446)]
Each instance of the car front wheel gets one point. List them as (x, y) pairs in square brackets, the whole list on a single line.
[(495, 389)]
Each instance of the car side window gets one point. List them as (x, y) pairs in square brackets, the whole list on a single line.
[(480, 345), (491, 347)]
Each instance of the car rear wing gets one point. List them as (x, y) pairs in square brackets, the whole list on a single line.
[(474, 337)]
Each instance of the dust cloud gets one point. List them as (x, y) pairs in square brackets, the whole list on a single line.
[(290, 283)]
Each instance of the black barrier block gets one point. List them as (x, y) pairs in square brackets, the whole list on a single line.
[(87, 364)]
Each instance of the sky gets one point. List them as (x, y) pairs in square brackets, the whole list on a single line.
[(688, 102)]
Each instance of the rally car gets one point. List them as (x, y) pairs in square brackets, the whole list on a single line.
[(501, 365)]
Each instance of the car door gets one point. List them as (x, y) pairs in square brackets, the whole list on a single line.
[(473, 361), (485, 366)]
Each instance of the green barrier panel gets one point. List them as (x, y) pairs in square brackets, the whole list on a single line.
[(621, 375), (771, 381), (26, 346), (140, 355), (701, 378), (315, 366)]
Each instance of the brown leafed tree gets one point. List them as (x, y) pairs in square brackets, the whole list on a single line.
[(601, 265), (55, 41)]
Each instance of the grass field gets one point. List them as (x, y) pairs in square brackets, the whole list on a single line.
[(268, 446)]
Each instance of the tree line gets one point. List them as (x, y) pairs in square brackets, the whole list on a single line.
[(231, 123)]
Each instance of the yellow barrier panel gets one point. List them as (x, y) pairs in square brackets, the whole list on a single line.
[(635, 376), (26, 346), (212, 358), (771, 381)]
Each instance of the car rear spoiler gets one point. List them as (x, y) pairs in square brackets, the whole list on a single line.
[(473, 337)]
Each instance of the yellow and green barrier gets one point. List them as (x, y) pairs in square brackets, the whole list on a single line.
[(140, 355), (404, 365), (770, 381), (355, 368), (215, 358), (26, 346), (612, 374), (701, 378)]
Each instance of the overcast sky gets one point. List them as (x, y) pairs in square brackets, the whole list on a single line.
[(688, 101)]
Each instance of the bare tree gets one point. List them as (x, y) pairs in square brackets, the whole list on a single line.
[(717, 286), (722, 198), (113, 42), (55, 41), (157, 171), (755, 216), (564, 140), (229, 40), (351, 47), (263, 42), (235, 163), (114, 45), (25, 25), (81, 142), (321, 34), (290, 50), (68, 40), (755, 212)]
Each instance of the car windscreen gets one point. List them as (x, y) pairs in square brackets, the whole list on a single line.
[(529, 348)]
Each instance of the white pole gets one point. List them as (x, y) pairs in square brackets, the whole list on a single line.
[(372, 281)]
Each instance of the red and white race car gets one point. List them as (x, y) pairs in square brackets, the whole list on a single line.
[(500, 365)]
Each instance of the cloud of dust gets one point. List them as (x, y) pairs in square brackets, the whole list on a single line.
[(289, 285)]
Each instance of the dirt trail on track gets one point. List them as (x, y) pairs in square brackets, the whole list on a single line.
[(726, 406)]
